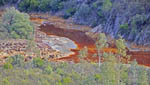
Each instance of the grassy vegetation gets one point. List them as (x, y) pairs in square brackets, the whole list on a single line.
[(42, 72)]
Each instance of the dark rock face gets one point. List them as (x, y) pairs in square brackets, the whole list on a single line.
[(136, 17), (143, 37), (129, 19)]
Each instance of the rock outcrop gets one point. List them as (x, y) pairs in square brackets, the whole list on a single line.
[(61, 44)]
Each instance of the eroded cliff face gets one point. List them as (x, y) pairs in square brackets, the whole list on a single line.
[(126, 18)]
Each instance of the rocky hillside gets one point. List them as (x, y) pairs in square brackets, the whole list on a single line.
[(127, 18)]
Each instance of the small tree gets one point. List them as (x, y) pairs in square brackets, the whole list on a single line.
[(5, 81), (106, 5), (18, 60), (133, 78), (29, 5), (120, 44), (83, 52), (122, 52), (56, 5), (123, 77), (142, 76), (38, 62), (100, 44), (7, 66), (44, 6), (108, 70), (48, 69), (67, 80)]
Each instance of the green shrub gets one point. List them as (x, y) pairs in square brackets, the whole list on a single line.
[(59, 83), (6, 81), (44, 5), (18, 60), (56, 5), (7, 66), (67, 80), (95, 5), (124, 26), (98, 77), (48, 69), (29, 5), (14, 35), (100, 13), (83, 11), (59, 71), (69, 12), (124, 29), (38, 62), (106, 5), (17, 24)]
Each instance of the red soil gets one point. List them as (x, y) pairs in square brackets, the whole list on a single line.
[(81, 39), (141, 57)]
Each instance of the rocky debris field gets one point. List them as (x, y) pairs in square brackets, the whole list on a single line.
[(16, 45)]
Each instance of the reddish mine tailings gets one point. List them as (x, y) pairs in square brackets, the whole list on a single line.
[(81, 39), (142, 57), (75, 35)]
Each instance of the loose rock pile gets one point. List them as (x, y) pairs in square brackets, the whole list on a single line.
[(13, 45)]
